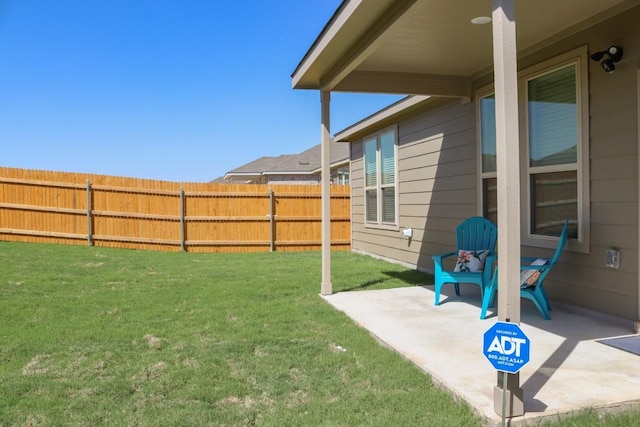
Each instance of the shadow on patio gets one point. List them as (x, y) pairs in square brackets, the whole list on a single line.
[(568, 369)]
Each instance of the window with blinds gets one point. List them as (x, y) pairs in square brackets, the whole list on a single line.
[(552, 113), (553, 163), (342, 177), (553, 121), (380, 178)]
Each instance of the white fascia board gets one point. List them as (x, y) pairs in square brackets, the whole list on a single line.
[(342, 15)]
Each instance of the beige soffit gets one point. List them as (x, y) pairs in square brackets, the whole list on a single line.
[(430, 47)]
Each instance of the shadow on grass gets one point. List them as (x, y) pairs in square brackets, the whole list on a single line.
[(364, 285), (393, 279)]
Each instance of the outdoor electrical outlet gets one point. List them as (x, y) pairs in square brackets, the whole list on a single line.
[(613, 258)]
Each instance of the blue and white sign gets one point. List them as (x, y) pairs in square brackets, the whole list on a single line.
[(506, 347)]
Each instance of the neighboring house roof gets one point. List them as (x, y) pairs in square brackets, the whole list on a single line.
[(307, 162), (254, 169)]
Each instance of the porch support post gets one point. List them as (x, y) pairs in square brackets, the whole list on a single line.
[(636, 324), (325, 99), (508, 177)]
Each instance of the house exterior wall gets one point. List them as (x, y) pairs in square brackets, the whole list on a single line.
[(436, 185), (438, 179)]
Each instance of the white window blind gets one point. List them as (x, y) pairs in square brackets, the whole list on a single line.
[(370, 163), (488, 133), (553, 118), (389, 205), (553, 142), (372, 205), (380, 178), (387, 155)]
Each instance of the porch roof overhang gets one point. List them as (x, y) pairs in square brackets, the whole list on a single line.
[(430, 47)]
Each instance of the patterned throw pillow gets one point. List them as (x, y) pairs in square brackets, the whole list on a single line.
[(529, 277), (471, 261)]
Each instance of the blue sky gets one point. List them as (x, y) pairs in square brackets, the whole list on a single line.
[(161, 89)]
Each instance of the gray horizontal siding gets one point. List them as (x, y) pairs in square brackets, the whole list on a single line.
[(437, 170)]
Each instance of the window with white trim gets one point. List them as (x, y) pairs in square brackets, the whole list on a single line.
[(380, 165), (342, 176), (554, 146), (552, 136)]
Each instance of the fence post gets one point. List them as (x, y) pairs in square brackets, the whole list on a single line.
[(182, 222), (272, 237), (89, 227)]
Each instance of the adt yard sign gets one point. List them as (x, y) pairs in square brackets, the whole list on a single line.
[(506, 347)]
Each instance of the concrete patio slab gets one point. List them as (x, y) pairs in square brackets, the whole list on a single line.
[(568, 370)]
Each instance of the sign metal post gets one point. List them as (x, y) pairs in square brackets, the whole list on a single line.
[(507, 348)]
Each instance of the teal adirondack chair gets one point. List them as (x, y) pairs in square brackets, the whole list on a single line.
[(533, 273), (475, 234)]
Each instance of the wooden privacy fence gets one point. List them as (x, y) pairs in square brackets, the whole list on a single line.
[(101, 210)]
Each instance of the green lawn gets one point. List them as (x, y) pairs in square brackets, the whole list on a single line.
[(96, 336)]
